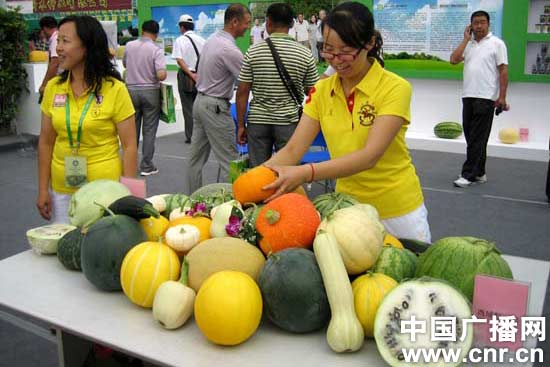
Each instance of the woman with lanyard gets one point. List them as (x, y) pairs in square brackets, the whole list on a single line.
[(85, 111), (363, 112)]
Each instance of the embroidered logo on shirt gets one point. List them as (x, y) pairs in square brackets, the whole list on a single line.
[(59, 100), (311, 91), (99, 99), (367, 114)]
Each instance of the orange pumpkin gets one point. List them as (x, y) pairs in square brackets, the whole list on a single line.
[(202, 223), (288, 221), (247, 188)]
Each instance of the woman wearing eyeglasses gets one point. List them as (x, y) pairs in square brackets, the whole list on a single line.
[(363, 112)]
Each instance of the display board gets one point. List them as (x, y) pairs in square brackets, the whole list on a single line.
[(46, 6), (437, 28), (207, 18), (422, 34)]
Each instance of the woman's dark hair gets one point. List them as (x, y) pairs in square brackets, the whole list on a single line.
[(354, 24), (97, 63), (280, 14)]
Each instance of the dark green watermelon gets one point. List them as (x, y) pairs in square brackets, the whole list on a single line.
[(104, 246), (68, 249), (396, 263), (293, 292)]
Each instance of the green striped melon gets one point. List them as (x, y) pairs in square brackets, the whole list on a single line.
[(174, 201), (68, 249), (396, 263), (327, 203), (448, 130), (459, 259)]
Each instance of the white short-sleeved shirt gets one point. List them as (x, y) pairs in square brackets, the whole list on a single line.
[(256, 33), (301, 30), (481, 61), (183, 49), (52, 51)]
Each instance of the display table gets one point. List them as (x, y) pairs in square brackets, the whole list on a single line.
[(40, 287)]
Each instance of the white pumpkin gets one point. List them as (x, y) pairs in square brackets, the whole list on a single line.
[(182, 237), (158, 202), (359, 235)]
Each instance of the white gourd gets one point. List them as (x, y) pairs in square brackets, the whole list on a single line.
[(344, 333), (174, 301), (158, 202)]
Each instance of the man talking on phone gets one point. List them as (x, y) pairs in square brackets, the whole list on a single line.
[(484, 92)]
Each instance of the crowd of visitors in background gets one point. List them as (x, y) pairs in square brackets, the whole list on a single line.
[(361, 109)]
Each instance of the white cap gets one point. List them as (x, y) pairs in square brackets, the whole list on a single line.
[(186, 18)]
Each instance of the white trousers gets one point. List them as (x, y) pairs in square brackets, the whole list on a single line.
[(413, 225), (60, 207)]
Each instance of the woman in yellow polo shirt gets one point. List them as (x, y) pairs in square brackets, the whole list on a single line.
[(85, 111), (363, 112)]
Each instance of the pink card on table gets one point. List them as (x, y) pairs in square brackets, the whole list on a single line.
[(507, 300), (135, 185)]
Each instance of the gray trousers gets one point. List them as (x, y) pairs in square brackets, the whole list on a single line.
[(147, 105), (187, 99), (214, 129), (263, 139)]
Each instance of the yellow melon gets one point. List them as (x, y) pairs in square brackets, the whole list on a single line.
[(153, 227), (228, 307), (508, 135), (144, 268)]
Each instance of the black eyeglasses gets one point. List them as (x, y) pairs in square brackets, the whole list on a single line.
[(342, 55)]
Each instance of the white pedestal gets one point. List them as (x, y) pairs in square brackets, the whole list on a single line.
[(28, 117)]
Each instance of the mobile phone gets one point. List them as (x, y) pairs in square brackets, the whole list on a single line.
[(498, 110), (471, 30)]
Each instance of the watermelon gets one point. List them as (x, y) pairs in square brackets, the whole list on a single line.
[(293, 292), (104, 246), (422, 298), (459, 259), (327, 203), (68, 249), (448, 130), (175, 201), (396, 263)]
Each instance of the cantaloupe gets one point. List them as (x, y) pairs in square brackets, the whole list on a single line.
[(223, 253), (508, 135)]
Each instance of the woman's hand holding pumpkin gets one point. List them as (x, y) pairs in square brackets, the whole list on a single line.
[(289, 178)]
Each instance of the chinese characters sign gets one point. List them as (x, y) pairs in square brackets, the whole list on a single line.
[(48, 6)]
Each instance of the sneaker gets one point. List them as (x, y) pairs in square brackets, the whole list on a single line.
[(462, 182), (481, 179), (154, 171)]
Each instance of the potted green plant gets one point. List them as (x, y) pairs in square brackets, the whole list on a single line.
[(13, 77)]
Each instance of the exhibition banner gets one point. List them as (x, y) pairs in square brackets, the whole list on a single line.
[(426, 32), (207, 18), (48, 6)]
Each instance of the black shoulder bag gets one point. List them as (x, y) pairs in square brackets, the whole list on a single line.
[(187, 83), (285, 77)]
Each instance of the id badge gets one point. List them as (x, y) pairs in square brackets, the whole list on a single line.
[(76, 171)]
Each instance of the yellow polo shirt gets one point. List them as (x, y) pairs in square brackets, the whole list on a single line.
[(99, 141), (392, 185)]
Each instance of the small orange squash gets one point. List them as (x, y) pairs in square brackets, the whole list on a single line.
[(199, 221), (247, 188), (288, 221)]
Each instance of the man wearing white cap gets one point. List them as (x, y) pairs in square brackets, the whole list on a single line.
[(187, 50)]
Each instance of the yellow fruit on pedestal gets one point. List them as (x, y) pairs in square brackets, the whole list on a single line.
[(144, 268), (38, 56), (508, 135), (228, 307)]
